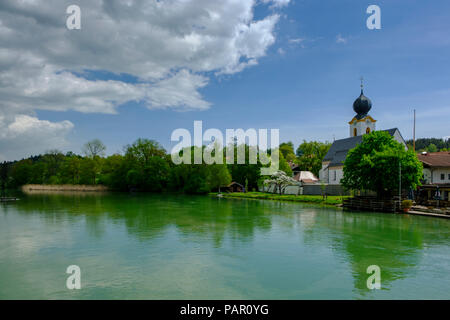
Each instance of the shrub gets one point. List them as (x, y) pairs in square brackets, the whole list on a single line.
[(407, 204)]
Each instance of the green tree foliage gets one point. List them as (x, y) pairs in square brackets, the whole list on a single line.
[(21, 172), (4, 177), (94, 148), (53, 160), (284, 165), (219, 176), (144, 166), (375, 165), (432, 148), (71, 170), (423, 144), (311, 154), (245, 171), (114, 171), (287, 150), (142, 150)]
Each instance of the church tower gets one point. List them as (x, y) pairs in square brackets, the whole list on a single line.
[(362, 122)]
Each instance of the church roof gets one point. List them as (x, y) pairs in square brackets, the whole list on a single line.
[(362, 106), (340, 148)]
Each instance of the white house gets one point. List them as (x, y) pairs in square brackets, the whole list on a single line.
[(436, 167)]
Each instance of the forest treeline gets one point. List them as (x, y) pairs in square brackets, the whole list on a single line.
[(146, 166), (430, 144)]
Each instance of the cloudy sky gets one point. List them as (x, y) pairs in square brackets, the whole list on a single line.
[(143, 68)]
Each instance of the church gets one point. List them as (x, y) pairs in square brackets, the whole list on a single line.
[(362, 123)]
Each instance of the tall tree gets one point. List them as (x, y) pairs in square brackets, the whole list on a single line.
[(219, 176), (376, 163), (94, 148), (143, 149), (3, 177), (311, 155), (287, 150)]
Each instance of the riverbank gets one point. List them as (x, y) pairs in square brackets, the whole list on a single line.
[(30, 188), (330, 200)]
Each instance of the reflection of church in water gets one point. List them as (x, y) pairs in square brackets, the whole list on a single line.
[(361, 124)]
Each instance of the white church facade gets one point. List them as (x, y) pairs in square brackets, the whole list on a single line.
[(362, 123)]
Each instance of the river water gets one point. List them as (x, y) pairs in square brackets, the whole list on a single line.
[(199, 247)]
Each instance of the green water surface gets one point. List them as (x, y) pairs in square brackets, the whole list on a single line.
[(198, 247)]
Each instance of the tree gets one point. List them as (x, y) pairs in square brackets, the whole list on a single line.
[(3, 177), (156, 174), (423, 144), (432, 148), (21, 172), (284, 165), (375, 165), (241, 172), (114, 171), (89, 170), (281, 181), (53, 160), (311, 155), (94, 148), (287, 150), (219, 176), (143, 149), (72, 169)]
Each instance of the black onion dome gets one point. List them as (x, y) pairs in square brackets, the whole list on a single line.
[(362, 106)]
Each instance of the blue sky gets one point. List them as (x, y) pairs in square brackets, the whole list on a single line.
[(307, 79)]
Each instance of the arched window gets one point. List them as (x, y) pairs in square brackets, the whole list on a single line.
[(355, 132), (368, 130)]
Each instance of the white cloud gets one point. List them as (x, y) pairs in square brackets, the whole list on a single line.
[(277, 3), (341, 39), (171, 47), (296, 40), (25, 135)]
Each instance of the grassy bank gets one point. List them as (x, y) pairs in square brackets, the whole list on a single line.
[(330, 200)]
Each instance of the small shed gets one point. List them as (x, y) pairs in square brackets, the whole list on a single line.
[(235, 187)]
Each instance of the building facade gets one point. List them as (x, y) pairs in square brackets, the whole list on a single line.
[(436, 175)]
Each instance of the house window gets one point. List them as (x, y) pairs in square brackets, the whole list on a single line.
[(442, 176), (355, 132), (334, 175), (449, 176), (368, 130)]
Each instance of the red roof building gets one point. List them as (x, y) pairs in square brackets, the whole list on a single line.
[(436, 167)]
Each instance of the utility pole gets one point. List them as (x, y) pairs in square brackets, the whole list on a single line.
[(414, 132), (399, 183)]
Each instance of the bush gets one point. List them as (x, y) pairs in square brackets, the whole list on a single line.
[(407, 204)]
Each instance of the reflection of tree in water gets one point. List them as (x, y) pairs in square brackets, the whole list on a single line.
[(150, 216), (393, 242)]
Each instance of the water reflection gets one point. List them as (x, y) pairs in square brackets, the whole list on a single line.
[(396, 243)]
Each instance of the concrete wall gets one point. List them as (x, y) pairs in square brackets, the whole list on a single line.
[(330, 189), (293, 190), (309, 189)]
